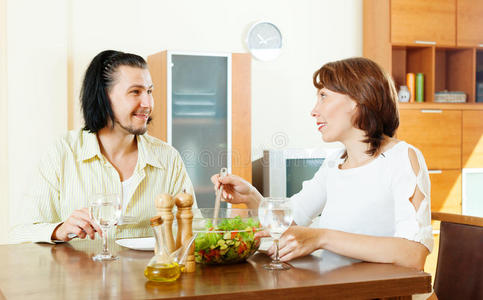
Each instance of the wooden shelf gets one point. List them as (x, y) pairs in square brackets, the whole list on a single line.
[(455, 71), (409, 59), (445, 106), (395, 32)]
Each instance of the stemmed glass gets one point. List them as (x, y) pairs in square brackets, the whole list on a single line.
[(105, 210), (275, 215)]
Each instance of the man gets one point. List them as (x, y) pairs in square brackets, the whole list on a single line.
[(111, 154)]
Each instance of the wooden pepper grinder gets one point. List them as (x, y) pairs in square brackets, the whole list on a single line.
[(184, 202), (164, 206)]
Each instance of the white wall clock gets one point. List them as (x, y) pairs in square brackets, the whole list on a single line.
[(264, 40)]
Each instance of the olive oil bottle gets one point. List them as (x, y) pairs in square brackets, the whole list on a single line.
[(161, 267), (163, 272)]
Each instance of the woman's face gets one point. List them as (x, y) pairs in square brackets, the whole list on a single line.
[(333, 113)]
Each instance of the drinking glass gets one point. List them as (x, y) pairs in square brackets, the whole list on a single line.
[(275, 216), (105, 210)]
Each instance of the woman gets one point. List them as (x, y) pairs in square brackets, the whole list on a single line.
[(373, 196)]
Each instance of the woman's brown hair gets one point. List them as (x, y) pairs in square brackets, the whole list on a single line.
[(371, 88)]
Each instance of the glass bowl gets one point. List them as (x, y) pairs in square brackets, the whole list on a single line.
[(228, 239)]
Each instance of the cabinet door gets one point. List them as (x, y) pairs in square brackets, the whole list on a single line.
[(446, 191), (469, 23), (199, 117), (472, 139), (437, 133), (207, 119), (414, 21)]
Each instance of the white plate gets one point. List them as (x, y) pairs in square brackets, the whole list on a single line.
[(143, 244)]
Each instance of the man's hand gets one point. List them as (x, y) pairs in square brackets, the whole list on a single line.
[(298, 241), (78, 223)]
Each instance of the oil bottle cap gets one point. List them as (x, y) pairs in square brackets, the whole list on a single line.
[(155, 221)]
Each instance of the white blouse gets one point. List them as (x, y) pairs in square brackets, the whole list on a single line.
[(372, 199)]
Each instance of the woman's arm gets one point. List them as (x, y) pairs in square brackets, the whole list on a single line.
[(376, 249), (300, 241)]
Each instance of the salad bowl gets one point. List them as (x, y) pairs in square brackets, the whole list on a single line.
[(227, 239)]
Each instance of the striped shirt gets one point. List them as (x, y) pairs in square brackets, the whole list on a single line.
[(75, 168)]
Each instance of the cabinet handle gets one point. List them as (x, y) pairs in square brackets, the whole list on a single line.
[(431, 111), (425, 42), (435, 171)]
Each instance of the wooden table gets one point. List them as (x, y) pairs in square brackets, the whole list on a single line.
[(66, 271)]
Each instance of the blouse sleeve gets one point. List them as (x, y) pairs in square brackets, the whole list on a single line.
[(412, 224), (310, 201)]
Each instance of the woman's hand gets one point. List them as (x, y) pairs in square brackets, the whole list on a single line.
[(298, 241), (237, 190)]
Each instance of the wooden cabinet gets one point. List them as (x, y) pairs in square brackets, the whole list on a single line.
[(472, 156), (202, 108), (446, 190), (437, 133), (469, 23), (423, 21), (450, 137), (396, 35)]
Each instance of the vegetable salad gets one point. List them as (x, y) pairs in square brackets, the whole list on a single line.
[(231, 241)]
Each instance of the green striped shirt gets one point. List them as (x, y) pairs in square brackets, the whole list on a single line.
[(75, 168)]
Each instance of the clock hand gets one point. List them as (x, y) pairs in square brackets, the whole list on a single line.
[(262, 40), (269, 39)]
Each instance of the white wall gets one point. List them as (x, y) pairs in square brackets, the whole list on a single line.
[(37, 89), (314, 32), (3, 126), (47, 57)]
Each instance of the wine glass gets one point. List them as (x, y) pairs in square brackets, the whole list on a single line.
[(105, 210), (275, 215)]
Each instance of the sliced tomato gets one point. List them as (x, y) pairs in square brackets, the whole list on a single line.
[(242, 248)]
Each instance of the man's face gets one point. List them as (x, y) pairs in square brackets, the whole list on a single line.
[(131, 99)]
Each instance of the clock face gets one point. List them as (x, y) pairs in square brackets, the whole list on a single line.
[(264, 41)]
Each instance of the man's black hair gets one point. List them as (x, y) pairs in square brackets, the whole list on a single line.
[(98, 80)]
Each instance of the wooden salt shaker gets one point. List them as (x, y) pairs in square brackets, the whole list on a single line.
[(184, 202), (164, 206)]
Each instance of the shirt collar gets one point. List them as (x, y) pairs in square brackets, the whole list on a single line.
[(146, 155), (90, 148)]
